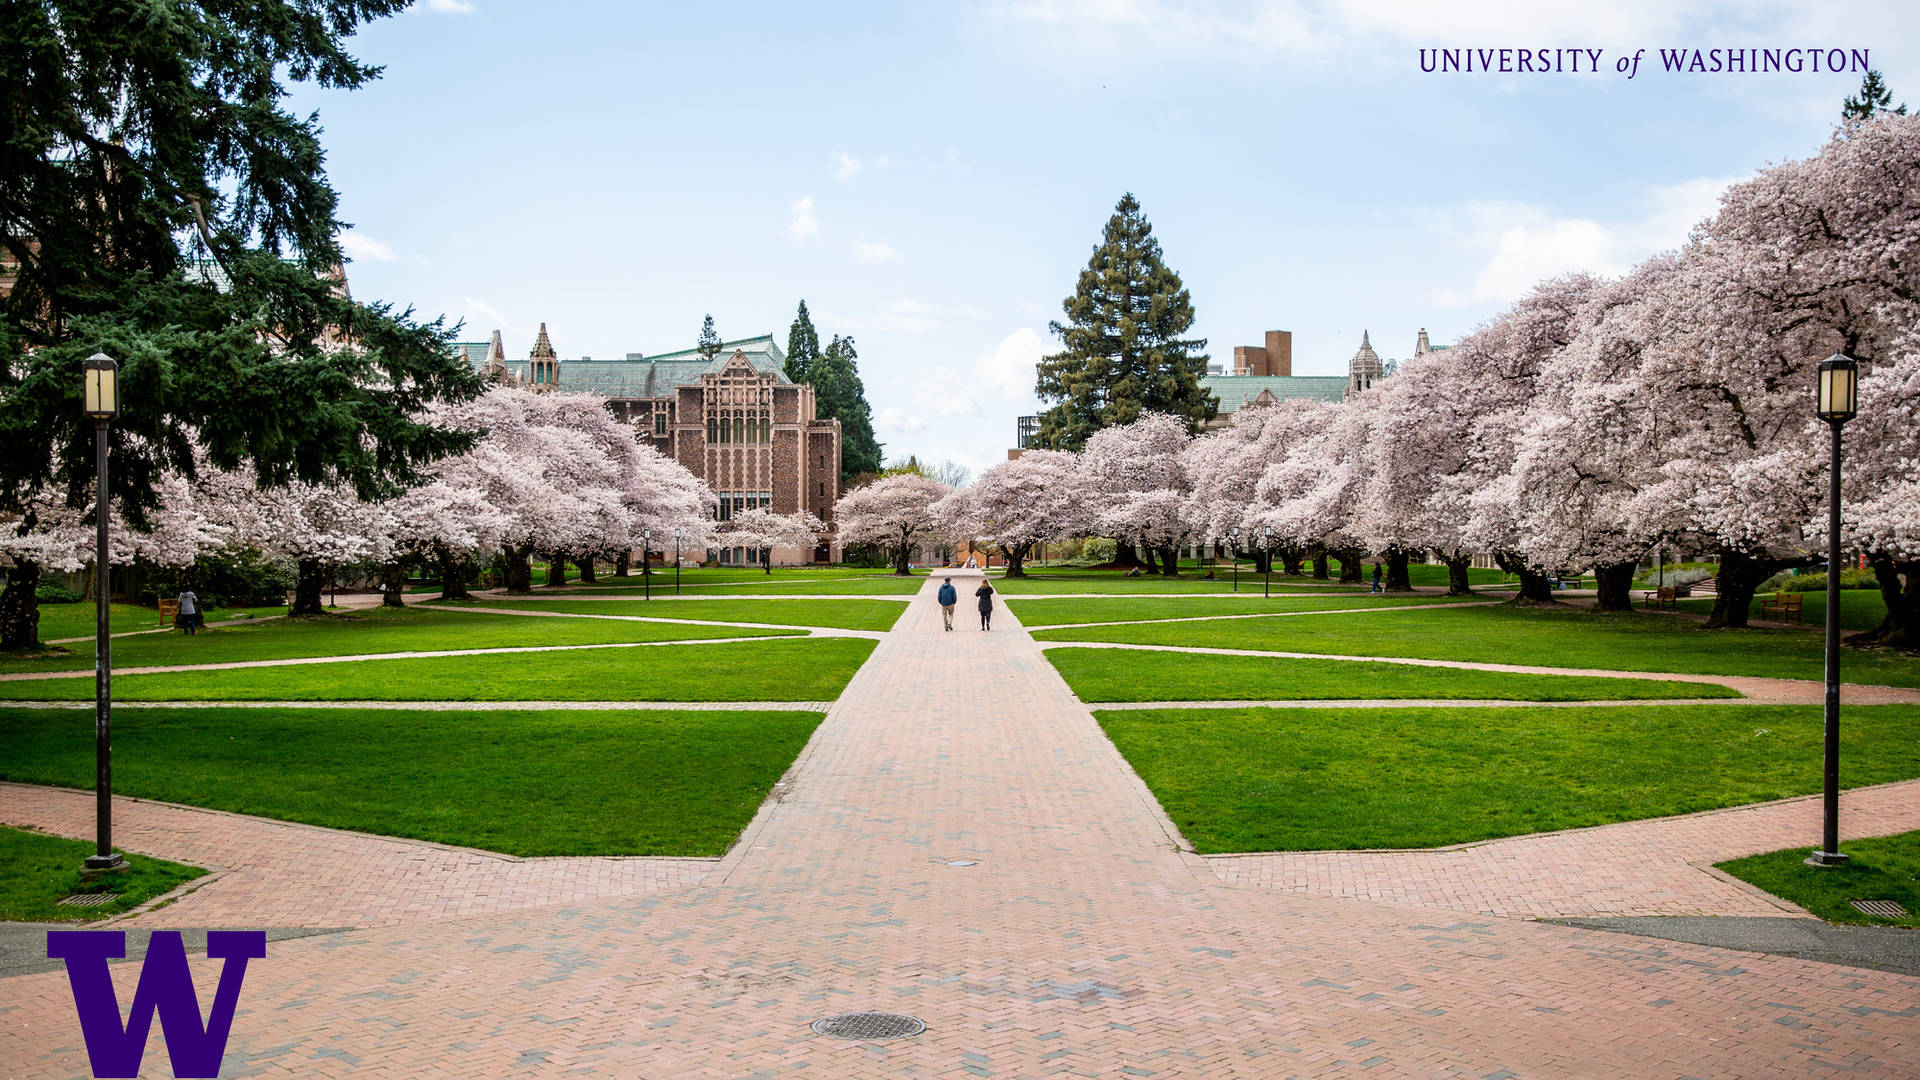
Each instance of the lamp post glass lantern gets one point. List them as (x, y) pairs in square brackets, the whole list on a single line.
[(1837, 401), (101, 402)]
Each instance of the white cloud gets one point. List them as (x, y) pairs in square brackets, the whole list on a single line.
[(481, 314), (908, 306), (1007, 369), (804, 224), (1521, 244), (450, 7), (845, 166), (361, 246), (877, 252), (893, 419)]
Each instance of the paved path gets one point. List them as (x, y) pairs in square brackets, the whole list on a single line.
[(1080, 941), (274, 873), (1662, 866), (1763, 691)]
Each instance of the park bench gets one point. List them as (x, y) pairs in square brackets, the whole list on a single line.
[(169, 610), (1781, 605), (1662, 597)]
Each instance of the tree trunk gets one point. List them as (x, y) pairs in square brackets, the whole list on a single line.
[(1398, 579), (556, 570), (1351, 561), (1615, 581), (394, 576), (1123, 554), (621, 563), (1146, 559), (1458, 584), (1262, 561), (306, 591), (453, 577), (1320, 565), (1900, 629), (519, 570), (1535, 588), (1733, 586), (1016, 557), (900, 558), (20, 607), (1170, 561), (585, 563), (1290, 559)]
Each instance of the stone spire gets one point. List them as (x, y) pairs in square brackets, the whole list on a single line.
[(1365, 368), (1423, 346), (543, 367)]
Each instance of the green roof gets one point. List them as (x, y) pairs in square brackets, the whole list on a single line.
[(1237, 390), (644, 377)]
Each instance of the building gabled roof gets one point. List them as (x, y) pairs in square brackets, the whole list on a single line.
[(641, 377), (1236, 391)]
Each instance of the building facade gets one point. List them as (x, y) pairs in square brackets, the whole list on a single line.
[(734, 420)]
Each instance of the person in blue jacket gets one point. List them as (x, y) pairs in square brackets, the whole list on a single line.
[(948, 597)]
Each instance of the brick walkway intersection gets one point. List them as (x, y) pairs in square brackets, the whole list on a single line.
[(1081, 942)]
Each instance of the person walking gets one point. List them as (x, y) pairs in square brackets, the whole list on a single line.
[(985, 593), (189, 611), (948, 597), (1376, 577)]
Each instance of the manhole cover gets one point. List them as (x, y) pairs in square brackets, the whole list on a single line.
[(91, 899), (960, 862), (1880, 909), (868, 1026)]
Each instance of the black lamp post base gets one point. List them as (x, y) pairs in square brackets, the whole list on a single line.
[(1826, 858), (103, 864)]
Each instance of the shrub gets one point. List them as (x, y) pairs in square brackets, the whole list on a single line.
[(48, 592), (1098, 551), (1817, 582), (223, 579), (1678, 579)]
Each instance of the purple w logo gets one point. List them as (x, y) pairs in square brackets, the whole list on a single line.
[(165, 985)]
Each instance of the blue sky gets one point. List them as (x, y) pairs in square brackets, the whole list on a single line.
[(930, 178)]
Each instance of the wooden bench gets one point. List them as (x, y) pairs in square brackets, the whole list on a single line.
[(1662, 597), (169, 610), (1781, 605)]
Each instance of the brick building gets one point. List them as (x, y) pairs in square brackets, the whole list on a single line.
[(736, 421)]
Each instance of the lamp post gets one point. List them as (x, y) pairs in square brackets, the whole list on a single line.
[(1837, 401), (102, 405), (1266, 559), (1233, 541), (646, 562), (676, 562)]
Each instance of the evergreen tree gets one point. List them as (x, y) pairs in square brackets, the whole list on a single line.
[(122, 135), (1874, 98), (1124, 354), (803, 346), (839, 393), (709, 343)]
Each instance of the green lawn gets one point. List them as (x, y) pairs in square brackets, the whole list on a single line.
[(1119, 609), (76, 620), (1314, 779), (851, 614), (815, 669), (1111, 581), (877, 584), (1119, 675), (1882, 868), (40, 869), (376, 630), (1567, 637), (1860, 609), (523, 783)]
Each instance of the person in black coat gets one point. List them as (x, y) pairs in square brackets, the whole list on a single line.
[(985, 593)]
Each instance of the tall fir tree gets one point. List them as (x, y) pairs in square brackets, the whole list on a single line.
[(803, 346), (709, 343), (121, 136), (839, 393), (1874, 99), (1124, 353)]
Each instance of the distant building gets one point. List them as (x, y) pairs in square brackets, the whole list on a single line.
[(1263, 374), (735, 421)]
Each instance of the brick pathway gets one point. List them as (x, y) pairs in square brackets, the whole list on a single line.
[(274, 873), (1661, 866), (1080, 942)]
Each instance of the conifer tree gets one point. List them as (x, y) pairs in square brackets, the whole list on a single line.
[(1124, 353), (803, 346), (839, 394), (124, 134), (709, 343), (1874, 98)]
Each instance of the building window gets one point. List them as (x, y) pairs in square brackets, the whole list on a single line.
[(823, 487), (660, 422), (710, 436), (739, 430)]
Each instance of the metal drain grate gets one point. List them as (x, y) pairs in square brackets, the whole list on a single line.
[(90, 899), (1880, 909), (868, 1026)]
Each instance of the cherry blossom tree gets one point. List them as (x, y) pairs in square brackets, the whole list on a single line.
[(1880, 497), (1133, 474), (1017, 504), (1224, 467), (892, 513), (764, 530)]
